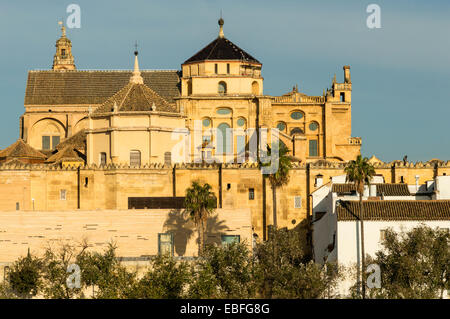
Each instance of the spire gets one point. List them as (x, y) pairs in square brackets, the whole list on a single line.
[(221, 22), (63, 29), (63, 59), (136, 78)]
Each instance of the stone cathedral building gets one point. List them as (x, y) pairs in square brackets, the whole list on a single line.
[(129, 140), (221, 87)]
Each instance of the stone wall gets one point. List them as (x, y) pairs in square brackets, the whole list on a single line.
[(135, 232), (41, 188)]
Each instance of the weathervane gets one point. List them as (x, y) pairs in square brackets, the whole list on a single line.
[(63, 28)]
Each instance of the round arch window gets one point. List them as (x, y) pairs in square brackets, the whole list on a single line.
[(222, 88), (296, 115), (206, 122), (241, 122), (313, 126), (281, 126)]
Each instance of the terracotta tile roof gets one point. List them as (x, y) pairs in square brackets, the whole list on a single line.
[(66, 154), (395, 210), (221, 49), (343, 188), (136, 97), (53, 87), (393, 189), (385, 189), (20, 149), (76, 141)]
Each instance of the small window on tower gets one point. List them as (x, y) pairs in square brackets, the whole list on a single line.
[(63, 52), (222, 89), (102, 158), (228, 68), (216, 68), (342, 97), (251, 193)]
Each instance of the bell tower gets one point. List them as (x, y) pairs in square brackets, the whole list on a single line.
[(63, 59)]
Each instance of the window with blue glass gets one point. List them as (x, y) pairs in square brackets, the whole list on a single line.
[(165, 244), (313, 148), (224, 139), (240, 141), (229, 239)]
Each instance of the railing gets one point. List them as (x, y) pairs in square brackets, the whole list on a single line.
[(354, 140), (299, 99), (342, 86)]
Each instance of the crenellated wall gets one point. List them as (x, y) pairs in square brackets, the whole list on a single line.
[(41, 187)]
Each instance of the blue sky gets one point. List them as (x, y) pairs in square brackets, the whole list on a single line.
[(400, 73)]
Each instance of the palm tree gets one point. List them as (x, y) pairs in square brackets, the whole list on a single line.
[(280, 177), (360, 171), (200, 202)]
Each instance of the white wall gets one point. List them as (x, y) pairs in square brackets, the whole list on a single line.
[(442, 187), (348, 240)]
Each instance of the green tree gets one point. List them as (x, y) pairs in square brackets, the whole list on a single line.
[(200, 203), (54, 271), (166, 279), (280, 177), (360, 172), (25, 276), (285, 272), (413, 264), (224, 272), (107, 277)]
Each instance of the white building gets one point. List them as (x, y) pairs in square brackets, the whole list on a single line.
[(401, 207)]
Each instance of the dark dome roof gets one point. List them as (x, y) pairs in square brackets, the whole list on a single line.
[(222, 49)]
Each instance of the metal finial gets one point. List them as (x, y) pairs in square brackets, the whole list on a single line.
[(136, 48), (221, 22), (63, 28)]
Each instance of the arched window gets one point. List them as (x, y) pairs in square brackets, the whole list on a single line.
[(224, 139), (281, 126), (135, 158), (241, 122), (313, 126), (222, 89), (297, 131), (255, 88)]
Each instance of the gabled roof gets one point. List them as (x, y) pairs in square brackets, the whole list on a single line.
[(75, 87), (385, 189), (67, 154), (136, 97), (20, 149), (76, 141), (222, 49), (395, 210)]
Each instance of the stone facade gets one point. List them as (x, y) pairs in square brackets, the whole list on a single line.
[(40, 187), (135, 233)]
